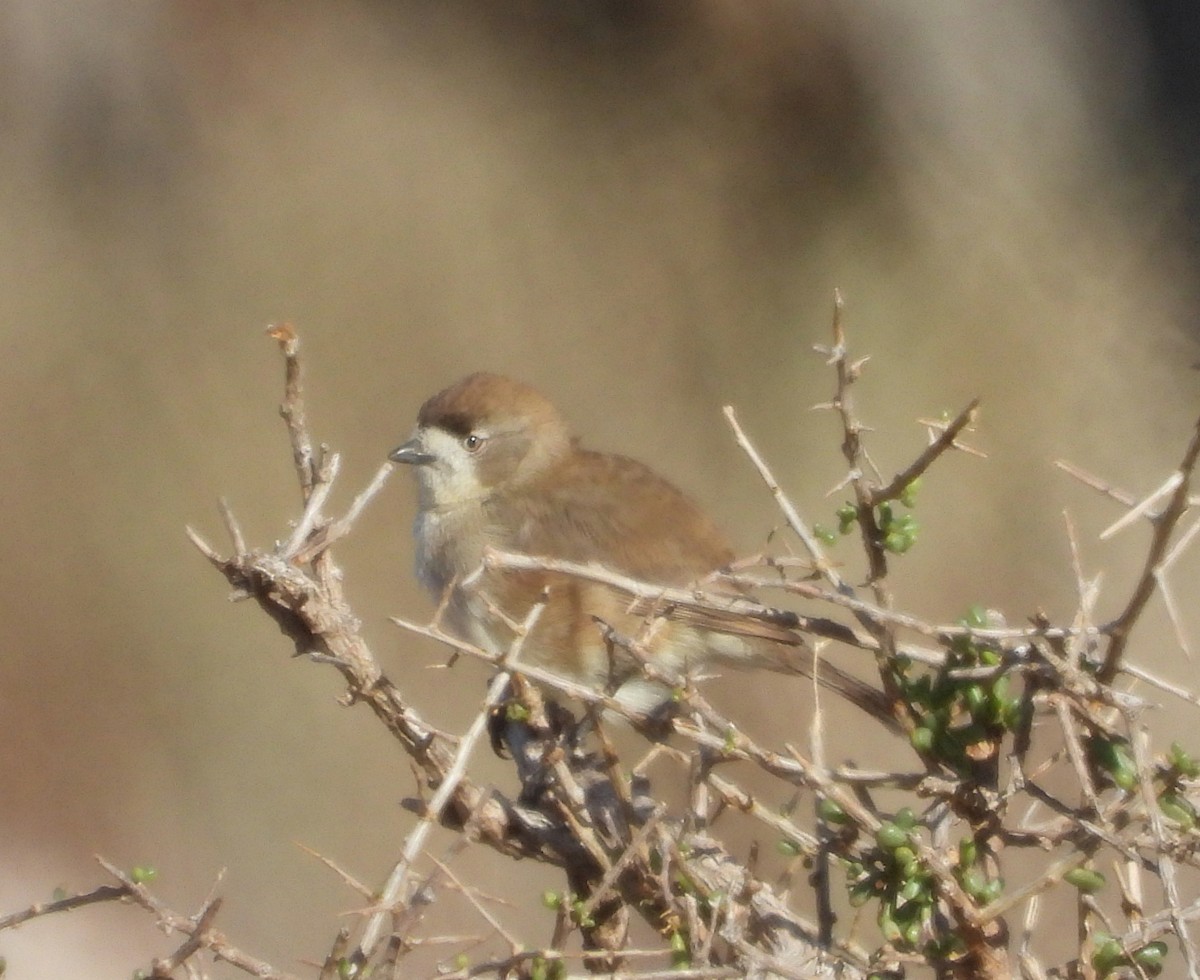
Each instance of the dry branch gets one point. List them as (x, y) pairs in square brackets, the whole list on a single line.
[(980, 778)]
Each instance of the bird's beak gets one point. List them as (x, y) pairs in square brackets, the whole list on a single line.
[(411, 452)]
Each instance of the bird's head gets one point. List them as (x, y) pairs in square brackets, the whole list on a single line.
[(481, 435)]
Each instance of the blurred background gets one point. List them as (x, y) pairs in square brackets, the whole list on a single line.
[(643, 208)]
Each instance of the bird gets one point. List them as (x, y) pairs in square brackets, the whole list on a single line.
[(498, 469)]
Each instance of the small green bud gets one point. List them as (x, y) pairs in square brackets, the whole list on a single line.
[(1086, 880), (975, 617), (888, 925), (847, 515), (862, 893), (906, 858), (1011, 714), (1178, 809), (577, 913), (908, 496), (1106, 954), (974, 881), (912, 933), (831, 811), (1183, 762), (1126, 777), (890, 836), (921, 739), (1151, 955), (681, 956), (976, 699)]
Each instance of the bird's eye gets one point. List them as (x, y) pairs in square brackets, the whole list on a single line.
[(472, 442)]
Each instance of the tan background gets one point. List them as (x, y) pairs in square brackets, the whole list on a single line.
[(641, 208)]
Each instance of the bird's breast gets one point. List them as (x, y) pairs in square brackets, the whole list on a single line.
[(449, 546)]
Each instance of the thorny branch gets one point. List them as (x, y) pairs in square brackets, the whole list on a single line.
[(576, 824), (987, 783), (1164, 529)]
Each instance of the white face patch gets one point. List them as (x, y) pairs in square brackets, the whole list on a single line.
[(451, 479)]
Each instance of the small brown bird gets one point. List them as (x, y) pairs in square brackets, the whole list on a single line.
[(497, 468)]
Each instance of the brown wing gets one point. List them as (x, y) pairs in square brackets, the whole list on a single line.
[(618, 512), (615, 511)]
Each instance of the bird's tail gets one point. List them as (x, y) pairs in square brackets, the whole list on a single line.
[(798, 658)]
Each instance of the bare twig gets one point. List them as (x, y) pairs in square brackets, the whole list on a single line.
[(788, 509), (306, 550), (104, 893), (292, 408), (944, 441), (391, 894), (198, 928), (1164, 528), (1113, 493), (1143, 507)]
